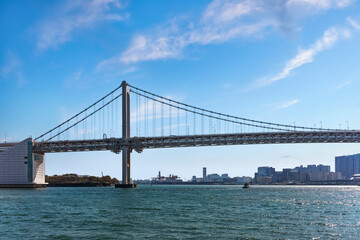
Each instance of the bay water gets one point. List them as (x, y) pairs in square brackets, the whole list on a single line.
[(181, 212)]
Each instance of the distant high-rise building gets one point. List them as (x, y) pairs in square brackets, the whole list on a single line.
[(266, 171), (225, 175), (302, 174), (204, 174), (313, 169), (348, 165), (214, 178), (323, 168), (264, 174)]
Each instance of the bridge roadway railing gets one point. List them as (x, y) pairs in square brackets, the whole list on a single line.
[(109, 144), (246, 138), (141, 143)]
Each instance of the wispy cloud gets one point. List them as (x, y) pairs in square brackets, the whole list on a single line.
[(221, 21), (353, 23), (330, 37), (288, 104), (345, 84), (74, 79), (148, 110), (75, 15), (321, 4), (12, 68), (327, 41), (12, 63)]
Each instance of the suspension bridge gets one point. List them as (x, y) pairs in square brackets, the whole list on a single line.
[(116, 124)]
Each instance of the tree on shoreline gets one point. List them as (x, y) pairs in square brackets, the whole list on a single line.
[(80, 179)]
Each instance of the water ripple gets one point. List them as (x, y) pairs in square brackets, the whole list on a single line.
[(181, 212)]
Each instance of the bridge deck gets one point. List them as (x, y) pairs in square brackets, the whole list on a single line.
[(141, 143)]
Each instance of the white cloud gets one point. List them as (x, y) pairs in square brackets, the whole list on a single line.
[(221, 21), (330, 37), (142, 49), (75, 15), (354, 23), (288, 104), (320, 4), (13, 68)]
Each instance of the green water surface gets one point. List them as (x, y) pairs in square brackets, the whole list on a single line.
[(181, 212)]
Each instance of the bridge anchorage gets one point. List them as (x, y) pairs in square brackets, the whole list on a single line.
[(148, 121)]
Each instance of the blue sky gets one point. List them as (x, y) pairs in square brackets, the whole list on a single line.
[(282, 61)]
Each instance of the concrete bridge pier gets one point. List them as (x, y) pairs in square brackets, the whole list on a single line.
[(126, 180), (126, 151)]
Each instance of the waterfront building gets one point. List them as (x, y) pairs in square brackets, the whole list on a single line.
[(263, 180), (266, 171), (286, 173), (325, 176), (323, 168), (318, 168), (313, 168), (171, 179), (293, 175), (214, 178), (318, 176), (348, 165), (278, 176), (301, 174), (242, 180), (303, 177), (225, 175), (20, 167), (204, 174), (333, 176)]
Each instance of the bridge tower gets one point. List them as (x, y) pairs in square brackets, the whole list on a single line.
[(126, 150)]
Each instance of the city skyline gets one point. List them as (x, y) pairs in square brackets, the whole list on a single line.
[(205, 173), (280, 67)]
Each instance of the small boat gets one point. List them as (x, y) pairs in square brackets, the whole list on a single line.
[(246, 185)]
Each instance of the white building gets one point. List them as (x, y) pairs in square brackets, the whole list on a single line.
[(333, 176), (214, 178), (20, 167), (325, 176), (242, 180)]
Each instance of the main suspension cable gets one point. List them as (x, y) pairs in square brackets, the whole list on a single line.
[(79, 113), (207, 115), (229, 116), (84, 118)]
